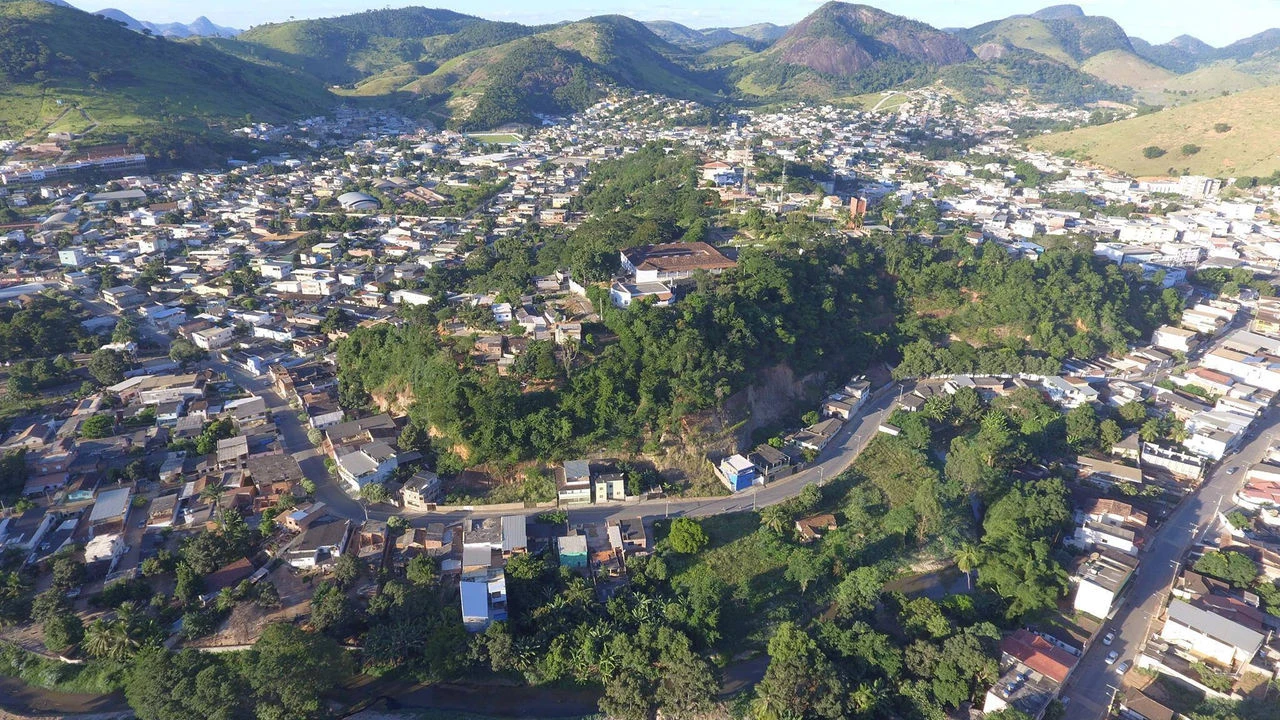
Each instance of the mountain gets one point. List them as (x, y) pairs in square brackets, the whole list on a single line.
[(350, 48), (559, 70), (118, 83), (1233, 136), (1265, 42), (1182, 54), (1062, 32), (762, 33), (200, 27), (847, 48)]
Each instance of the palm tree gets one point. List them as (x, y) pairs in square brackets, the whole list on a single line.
[(213, 493), (110, 640), (97, 639), (968, 556)]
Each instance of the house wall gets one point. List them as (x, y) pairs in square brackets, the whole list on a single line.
[(1094, 599), (1198, 643)]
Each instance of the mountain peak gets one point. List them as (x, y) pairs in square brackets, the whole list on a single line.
[(1059, 12), (1191, 44)]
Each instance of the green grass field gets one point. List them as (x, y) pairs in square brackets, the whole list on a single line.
[(496, 138), (1247, 148)]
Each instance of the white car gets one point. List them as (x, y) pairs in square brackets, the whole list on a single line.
[(1123, 667), (1108, 638), (1111, 656)]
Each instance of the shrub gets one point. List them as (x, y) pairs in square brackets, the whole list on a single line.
[(1221, 127), (1151, 152), (687, 536), (1190, 149)]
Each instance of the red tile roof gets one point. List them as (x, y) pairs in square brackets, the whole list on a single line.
[(1039, 654)]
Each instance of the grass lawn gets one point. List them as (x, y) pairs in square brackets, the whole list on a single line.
[(96, 677), (497, 138)]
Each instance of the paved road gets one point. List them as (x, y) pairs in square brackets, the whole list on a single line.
[(1091, 686), (837, 456)]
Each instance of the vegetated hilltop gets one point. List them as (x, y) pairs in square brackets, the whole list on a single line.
[(350, 48), (64, 69), (842, 48), (559, 70), (1181, 54), (1228, 136)]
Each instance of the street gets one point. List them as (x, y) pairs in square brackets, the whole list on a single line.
[(1093, 683), (835, 458)]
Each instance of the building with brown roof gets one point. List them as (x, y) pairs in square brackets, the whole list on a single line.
[(672, 262)]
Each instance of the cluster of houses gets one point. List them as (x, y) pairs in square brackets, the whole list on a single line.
[(766, 462)]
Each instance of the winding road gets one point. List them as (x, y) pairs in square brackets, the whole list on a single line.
[(834, 459)]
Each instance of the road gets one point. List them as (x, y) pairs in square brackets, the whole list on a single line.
[(1093, 682), (835, 458)]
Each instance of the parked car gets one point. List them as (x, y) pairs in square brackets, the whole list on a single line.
[(1108, 638), (1123, 667), (1111, 656)]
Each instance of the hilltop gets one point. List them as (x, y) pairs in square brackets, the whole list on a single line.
[(200, 27), (841, 48), (560, 70), (64, 69), (350, 48), (1232, 136)]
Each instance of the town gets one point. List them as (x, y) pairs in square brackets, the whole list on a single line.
[(182, 422)]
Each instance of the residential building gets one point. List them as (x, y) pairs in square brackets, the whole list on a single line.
[(1099, 579), (737, 473), (422, 490), (1210, 636), (319, 544), (573, 482)]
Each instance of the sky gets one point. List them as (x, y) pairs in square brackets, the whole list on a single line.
[(1218, 23)]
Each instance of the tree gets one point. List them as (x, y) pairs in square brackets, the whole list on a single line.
[(97, 426), (1229, 566), (183, 351), (62, 631), (1109, 434), (860, 589), (161, 685), (1151, 152), (103, 639), (800, 681), (687, 536), (331, 611), (422, 571), (289, 669), (346, 570), (968, 557), (805, 566), (374, 493), (212, 494), (1082, 426), (106, 366)]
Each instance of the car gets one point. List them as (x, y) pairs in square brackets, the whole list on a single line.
[(1233, 470), (1108, 638), (1111, 656), (1123, 667)]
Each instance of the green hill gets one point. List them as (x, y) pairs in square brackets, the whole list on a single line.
[(1010, 70), (560, 70), (350, 48), (1243, 143), (63, 69), (1063, 33)]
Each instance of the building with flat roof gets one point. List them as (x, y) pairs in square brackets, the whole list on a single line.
[(1101, 578), (109, 507)]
